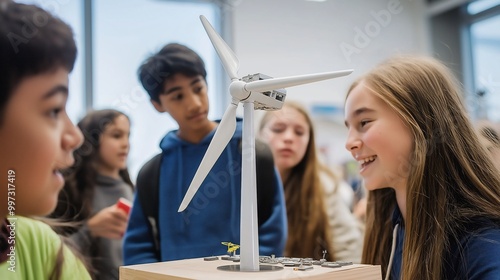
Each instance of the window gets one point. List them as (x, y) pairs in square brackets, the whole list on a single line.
[(485, 54), (481, 6), (125, 34)]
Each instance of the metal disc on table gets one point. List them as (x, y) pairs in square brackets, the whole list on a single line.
[(236, 267)]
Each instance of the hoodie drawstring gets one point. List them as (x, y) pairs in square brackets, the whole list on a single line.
[(180, 194), (393, 250)]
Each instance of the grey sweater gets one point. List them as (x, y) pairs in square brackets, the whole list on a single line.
[(106, 254)]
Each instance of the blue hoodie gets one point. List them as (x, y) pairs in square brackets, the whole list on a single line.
[(213, 216), (475, 257)]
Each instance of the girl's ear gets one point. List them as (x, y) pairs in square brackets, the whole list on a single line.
[(157, 106)]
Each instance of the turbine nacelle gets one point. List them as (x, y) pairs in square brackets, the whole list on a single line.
[(264, 100)]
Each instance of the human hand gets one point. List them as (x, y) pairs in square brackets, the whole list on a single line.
[(110, 222)]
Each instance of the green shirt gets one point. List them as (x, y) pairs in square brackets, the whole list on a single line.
[(33, 249)]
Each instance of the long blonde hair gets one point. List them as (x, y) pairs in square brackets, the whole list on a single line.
[(308, 228), (452, 180)]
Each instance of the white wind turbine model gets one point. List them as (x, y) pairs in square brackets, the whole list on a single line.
[(255, 92)]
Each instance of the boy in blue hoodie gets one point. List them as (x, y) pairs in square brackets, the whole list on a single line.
[(175, 81)]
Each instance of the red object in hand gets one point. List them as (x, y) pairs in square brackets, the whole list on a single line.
[(124, 204)]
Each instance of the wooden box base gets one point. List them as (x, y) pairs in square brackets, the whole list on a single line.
[(207, 270)]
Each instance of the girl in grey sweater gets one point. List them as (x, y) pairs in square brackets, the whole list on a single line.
[(98, 179)]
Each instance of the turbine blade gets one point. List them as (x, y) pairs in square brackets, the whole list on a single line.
[(226, 55), (277, 83), (222, 136)]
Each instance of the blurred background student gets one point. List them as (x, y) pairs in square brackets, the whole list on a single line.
[(98, 179), (318, 217)]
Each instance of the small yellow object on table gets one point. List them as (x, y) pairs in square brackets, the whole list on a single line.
[(200, 269)]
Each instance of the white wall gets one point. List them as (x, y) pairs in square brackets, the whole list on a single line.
[(291, 37)]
